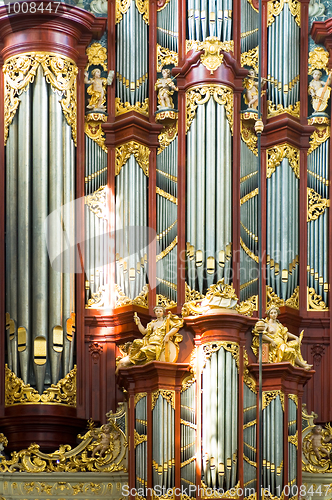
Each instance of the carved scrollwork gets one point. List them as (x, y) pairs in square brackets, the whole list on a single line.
[(318, 59), (272, 298), (315, 301), (274, 7), (98, 299), (81, 458), (269, 396), (124, 152), (169, 396), (248, 379), (247, 307), (249, 136), (141, 300), (166, 57), (121, 7), (316, 205), (318, 137), (139, 438), (97, 203), (167, 136), (93, 129), (125, 107), (250, 59), (97, 56), (143, 9), (316, 448), (275, 110), (210, 347), (201, 94), (293, 301), (276, 154), (17, 392), (59, 71)]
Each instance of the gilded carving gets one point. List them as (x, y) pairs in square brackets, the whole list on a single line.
[(167, 135), (276, 154), (212, 57), (275, 110), (141, 300), (293, 301), (248, 251), (210, 347), (218, 295), (140, 107), (121, 7), (248, 379), (294, 398), (124, 152), (249, 136), (316, 205), (166, 57), (17, 392), (163, 301), (59, 71), (316, 449), (250, 58), (201, 94), (139, 396), (192, 294), (318, 137), (143, 9), (139, 438), (97, 203), (293, 440), (170, 247), (269, 396), (274, 7), (169, 396), (247, 307), (66, 459), (93, 128), (315, 301), (97, 56), (227, 46), (272, 298), (98, 299), (318, 59)]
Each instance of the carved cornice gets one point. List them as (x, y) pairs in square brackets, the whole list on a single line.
[(132, 126), (321, 33), (286, 128), (67, 32)]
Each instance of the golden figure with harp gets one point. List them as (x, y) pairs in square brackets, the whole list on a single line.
[(320, 91), (160, 341)]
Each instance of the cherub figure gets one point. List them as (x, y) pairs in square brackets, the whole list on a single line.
[(160, 341), (250, 83), (97, 89), (104, 442), (319, 90), (318, 440), (165, 87)]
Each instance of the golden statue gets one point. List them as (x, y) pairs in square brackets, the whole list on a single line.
[(319, 91), (97, 89), (283, 345), (160, 341), (165, 87)]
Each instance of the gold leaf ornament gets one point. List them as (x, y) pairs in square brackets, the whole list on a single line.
[(97, 56), (124, 152), (276, 154)]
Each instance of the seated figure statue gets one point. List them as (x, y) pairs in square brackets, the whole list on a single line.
[(160, 341), (283, 345)]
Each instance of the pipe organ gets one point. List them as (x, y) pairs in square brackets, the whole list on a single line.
[(120, 194)]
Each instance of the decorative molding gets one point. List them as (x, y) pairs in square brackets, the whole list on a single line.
[(93, 128), (97, 56), (275, 110), (317, 352), (111, 456), (140, 107), (59, 71), (201, 94), (318, 59), (95, 349), (19, 393), (165, 57), (316, 205), (124, 152), (276, 154)]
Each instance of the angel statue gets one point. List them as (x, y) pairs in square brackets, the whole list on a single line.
[(283, 345), (316, 442), (165, 87), (160, 341), (97, 89), (319, 91)]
